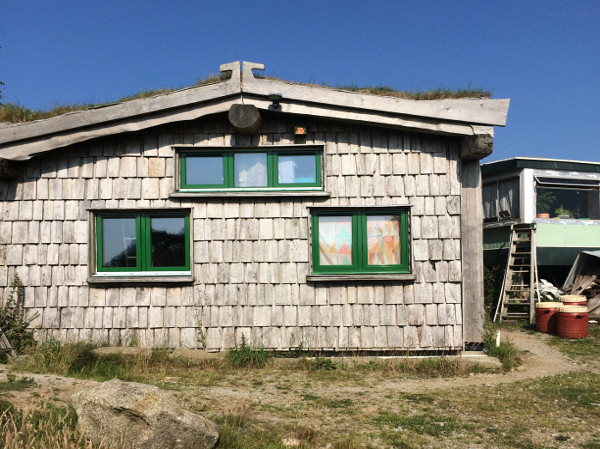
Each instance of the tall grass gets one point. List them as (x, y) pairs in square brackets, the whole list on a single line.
[(45, 426), (80, 360)]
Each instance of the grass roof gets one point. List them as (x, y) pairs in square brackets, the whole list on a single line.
[(15, 113)]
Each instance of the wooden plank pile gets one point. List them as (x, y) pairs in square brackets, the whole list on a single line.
[(588, 284)]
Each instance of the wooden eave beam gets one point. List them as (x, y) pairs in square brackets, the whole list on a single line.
[(367, 117), (480, 111), (25, 149), (192, 96)]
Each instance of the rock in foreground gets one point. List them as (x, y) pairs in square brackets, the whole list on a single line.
[(128, 414)]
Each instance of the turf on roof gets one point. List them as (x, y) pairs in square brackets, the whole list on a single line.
[(15, 113)]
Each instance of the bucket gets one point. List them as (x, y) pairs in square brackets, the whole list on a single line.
[(572, 322), (574, 300), (545, 316)]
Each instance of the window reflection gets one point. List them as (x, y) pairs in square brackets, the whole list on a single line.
[(119, 242), (167, 241)]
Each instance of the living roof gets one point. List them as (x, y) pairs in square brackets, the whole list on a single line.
[(455, 117), (15, 113), (540, 163)]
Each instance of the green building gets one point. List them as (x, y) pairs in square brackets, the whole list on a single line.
[(560, 196)]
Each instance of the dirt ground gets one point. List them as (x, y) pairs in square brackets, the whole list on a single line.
[(539, 360)]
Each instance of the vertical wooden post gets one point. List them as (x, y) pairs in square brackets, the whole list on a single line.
[(472, 251)]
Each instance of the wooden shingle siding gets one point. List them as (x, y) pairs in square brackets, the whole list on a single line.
[(250, 256)]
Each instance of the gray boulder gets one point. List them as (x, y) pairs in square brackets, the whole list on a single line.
[(133, 415)]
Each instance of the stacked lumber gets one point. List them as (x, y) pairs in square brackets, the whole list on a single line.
[(589, 285)]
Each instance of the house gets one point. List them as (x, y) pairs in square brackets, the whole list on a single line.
[(291, 215), (562, 199)]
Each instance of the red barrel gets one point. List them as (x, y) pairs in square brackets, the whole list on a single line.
[(572, 322), (574, 300), (545, 316)]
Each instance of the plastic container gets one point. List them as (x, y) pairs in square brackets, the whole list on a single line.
[(572, 322), (546, 315), (574, 300)]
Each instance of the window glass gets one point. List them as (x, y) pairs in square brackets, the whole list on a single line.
[(361, 241), (508, 197), (490, 198), (250, 169), (383, 240), (568, 203), (501, 199), (119, 242), (144, 241), (271, 169), (335, 240), (297, 169), (167, 241), (204, 170)]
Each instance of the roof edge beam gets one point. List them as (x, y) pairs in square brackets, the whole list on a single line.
[(469, 110)]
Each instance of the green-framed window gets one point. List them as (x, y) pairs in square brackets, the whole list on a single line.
[(355, 241), (142, 242), (251, 169)]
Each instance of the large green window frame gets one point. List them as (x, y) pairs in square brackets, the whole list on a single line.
[(252, 169), (355, 241), (142, 242)]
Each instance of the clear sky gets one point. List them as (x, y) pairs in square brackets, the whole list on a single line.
[(543, 55)]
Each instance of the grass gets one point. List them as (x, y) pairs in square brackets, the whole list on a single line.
[(432, 94), (354, 405), (16, 384), (506, 352), (45, 426), (584, 350), (15, 113)]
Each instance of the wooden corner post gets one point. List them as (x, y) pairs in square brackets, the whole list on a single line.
[(472, 251)]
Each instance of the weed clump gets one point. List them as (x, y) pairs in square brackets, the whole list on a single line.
[(12, 321), (506, 352), (246, 356), (322, 363)]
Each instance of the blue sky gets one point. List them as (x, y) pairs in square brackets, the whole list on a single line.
[(543, 55)]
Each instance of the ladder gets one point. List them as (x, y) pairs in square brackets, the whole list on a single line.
[(5, 345), (520, 284)]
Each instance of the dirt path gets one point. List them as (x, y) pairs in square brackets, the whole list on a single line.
[(539, 360)]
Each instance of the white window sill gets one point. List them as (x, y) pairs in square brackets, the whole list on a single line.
[(248, 193), (391, 277), (141, 279)]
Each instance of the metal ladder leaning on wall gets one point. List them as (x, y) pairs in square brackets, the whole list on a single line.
[(520, 285)]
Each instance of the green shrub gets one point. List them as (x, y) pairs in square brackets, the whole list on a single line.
[(322, 363), (246, 356), (492, 284)]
